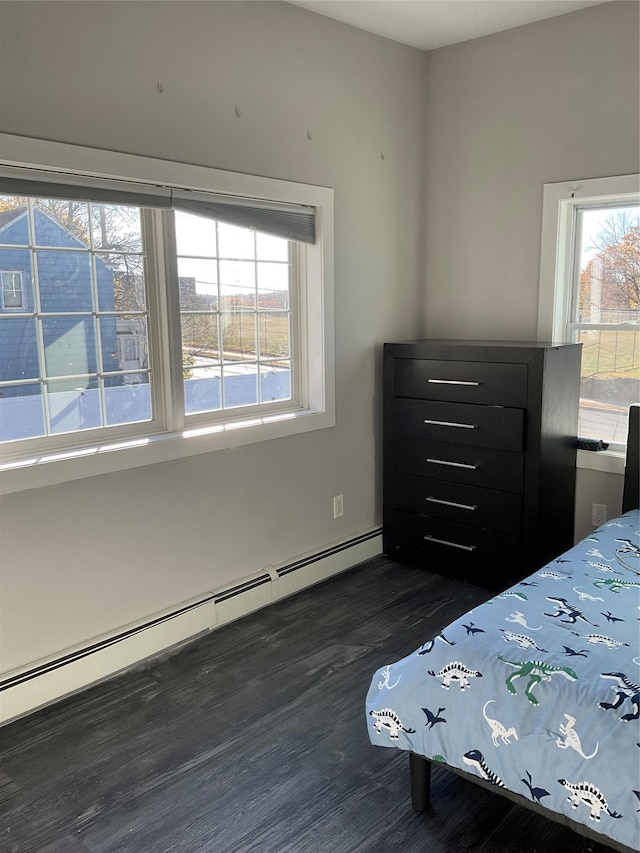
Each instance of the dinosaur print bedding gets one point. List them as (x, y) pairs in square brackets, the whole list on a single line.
[(538, 689)]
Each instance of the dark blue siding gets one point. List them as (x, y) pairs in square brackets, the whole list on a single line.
[(65, 286)]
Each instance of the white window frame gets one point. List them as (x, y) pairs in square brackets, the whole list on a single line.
[(70, 457), (12, 307), (557, 264)]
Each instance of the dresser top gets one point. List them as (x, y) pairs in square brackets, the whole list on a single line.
[(521, 351)]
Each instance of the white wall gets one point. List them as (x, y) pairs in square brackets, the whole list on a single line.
[(552, 101), (85, 558)]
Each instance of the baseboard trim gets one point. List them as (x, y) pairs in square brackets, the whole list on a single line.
[(45, 682)]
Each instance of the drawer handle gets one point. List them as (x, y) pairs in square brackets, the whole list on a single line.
[(453, 464), (451, 382), (471, 507), (451, 424), (450, 544)]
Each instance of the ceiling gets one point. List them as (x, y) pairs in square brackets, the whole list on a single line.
[(428, 24)]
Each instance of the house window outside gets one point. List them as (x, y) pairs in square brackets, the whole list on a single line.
[(168, 310), (590, 293), (12, 290)]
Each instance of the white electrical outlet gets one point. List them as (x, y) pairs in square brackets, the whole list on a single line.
[(338, 506), (598, 514)]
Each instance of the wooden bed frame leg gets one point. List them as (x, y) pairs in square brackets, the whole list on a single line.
[(420, 773)]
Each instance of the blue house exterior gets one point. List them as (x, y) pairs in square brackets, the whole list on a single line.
[(64, 280)]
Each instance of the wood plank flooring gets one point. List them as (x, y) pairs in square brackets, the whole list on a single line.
[(254, 740)]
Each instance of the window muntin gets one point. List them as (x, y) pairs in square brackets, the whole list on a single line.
[(605, 316), (12, 290)]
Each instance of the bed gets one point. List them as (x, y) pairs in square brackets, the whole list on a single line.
[(536, 693)]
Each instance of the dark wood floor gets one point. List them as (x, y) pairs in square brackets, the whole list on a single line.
[(255, 739)]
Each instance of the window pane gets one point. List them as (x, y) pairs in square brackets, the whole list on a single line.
[(608, 283), (273, 285), (235, 242), (120, 282), (124, 343), (79, 339), (198, 283), (202, 390), (238, 284), (240, 385), (610, 381), (200, 341), (609, 266), (69, 346), (127, 399), (18, 349), (195, 235), (274, 334), (74, 404), (238, 335), (220, 321), (116, 227), (21, 412), (270, 248), (15, 226), (61, 223), (64, 281), (275, 381)]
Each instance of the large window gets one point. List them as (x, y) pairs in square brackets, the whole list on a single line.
[(133, 313), (590, 293)]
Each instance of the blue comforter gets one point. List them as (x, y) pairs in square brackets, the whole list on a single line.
[(537, 690)]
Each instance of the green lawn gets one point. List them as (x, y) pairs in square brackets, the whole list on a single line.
[(611, 354)]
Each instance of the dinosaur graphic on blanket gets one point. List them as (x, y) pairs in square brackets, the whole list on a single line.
[(386, 718), (564, 608), (455, 671), (587, 794), (535, 671), (624, 689), (476, 759), (570, 739), (613, 584)]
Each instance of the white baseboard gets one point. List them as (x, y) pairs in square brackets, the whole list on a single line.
[(46, 681)]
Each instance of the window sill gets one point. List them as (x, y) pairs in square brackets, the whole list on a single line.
[(82, 462), (607, 461)]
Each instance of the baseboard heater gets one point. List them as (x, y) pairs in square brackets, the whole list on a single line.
[(41, 684)]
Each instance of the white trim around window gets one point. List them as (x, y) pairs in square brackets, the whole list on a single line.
[(77, 456), (561, 201)]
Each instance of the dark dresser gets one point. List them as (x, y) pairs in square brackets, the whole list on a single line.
[(479, 456)]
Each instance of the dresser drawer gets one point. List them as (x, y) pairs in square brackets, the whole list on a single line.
[(462, 381), (499, 511), (477, 555), (475, 466), (485, 426)]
